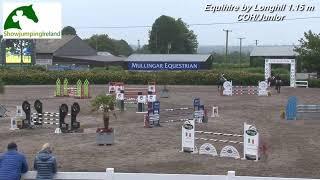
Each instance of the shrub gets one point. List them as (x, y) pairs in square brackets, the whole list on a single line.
[(31, 76), (315, 83), (1, 87), (115, 68)]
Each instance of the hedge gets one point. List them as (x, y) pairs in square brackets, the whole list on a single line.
[(1, 86), (314, 83), (38, 77)]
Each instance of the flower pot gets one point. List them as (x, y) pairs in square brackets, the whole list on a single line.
[(105, 136)]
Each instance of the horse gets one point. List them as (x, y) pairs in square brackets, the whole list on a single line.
[(278, 82), (13, 23)]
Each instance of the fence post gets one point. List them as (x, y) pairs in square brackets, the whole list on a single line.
[(231, 175), (109, 173)]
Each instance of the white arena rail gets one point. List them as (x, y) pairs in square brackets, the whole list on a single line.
[(302, 84), (110, 175)]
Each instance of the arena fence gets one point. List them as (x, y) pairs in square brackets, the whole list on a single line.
[(111, 175)]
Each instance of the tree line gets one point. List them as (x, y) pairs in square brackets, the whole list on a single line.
[(167, 35), (102, 42)]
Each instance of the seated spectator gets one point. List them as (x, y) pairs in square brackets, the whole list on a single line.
[(12, 163), (45, 163)]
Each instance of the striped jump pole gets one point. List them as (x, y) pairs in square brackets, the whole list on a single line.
[(219, 134), (197, 115), (178, 109), (51, 114), (196, 106), (36, 119), (178, 120), (219, 140), (248, 90)]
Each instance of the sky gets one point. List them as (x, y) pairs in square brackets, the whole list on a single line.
[(82, 14)]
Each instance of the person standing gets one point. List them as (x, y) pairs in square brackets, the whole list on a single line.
[(12, 163), (45, 163)]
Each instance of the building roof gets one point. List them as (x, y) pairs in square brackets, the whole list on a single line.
[(168, 58), (104, 53), (269, 51), (98, 58), (52, 45)]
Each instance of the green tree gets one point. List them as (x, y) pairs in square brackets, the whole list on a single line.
[(166, 30), (122, 47), (69, 30), (143, 50), (233, 57), (103, 42), (309, 52)]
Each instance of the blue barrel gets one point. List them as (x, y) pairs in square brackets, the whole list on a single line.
[(291, 110)]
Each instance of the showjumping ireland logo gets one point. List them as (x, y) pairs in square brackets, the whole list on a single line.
[(13, 20), (32, 20)]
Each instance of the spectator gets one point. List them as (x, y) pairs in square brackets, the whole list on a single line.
[(12, 163), (45, 163)]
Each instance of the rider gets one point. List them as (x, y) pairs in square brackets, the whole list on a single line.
[(278, 79), (222, 79), (269, 81), (272, 80)]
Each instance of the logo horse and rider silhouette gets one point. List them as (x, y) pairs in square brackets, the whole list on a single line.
[(14, 18)]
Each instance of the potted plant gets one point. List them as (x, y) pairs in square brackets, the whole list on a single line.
[(104, 103)]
